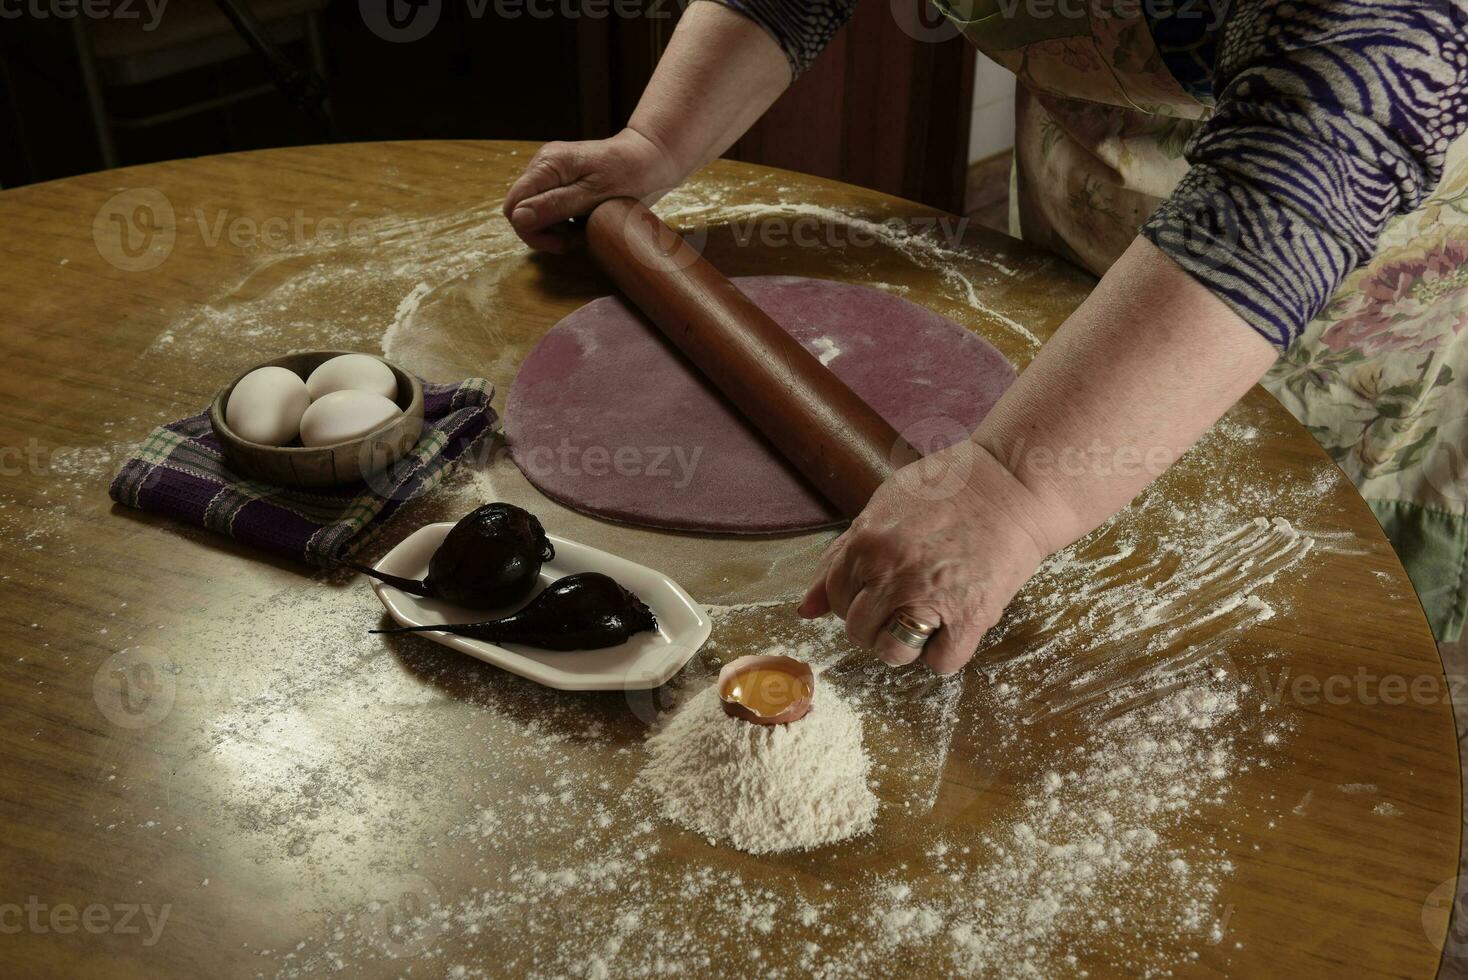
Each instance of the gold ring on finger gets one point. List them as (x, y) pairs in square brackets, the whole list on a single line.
[(909, 630)]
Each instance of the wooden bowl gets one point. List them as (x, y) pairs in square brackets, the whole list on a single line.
[(323, 466)]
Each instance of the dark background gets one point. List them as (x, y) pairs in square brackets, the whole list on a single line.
[(879, 109)]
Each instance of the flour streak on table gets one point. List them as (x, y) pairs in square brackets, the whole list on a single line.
[(306, 798)]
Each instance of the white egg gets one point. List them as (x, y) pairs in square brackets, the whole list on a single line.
[(266, 406), (340, 416), (352, 372)]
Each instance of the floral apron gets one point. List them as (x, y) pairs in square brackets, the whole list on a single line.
[(1380, 377)]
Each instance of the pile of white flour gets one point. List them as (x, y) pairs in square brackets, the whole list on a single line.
[(763, 788)]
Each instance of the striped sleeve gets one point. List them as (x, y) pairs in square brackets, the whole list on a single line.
[(1332, 117), (802, 28)]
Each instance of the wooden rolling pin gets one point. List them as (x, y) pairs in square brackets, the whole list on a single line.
[(834, 438)]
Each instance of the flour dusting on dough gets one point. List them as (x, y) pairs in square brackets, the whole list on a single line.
[(826, 350)]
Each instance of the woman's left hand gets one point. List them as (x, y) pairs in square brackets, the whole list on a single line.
[(948, 539)]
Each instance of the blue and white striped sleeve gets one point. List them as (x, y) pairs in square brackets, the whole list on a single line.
[(1332, 117), (802, 28)]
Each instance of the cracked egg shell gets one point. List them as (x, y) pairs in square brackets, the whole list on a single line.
[(766, 689)]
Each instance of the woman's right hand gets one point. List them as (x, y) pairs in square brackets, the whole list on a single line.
[(564, 180)]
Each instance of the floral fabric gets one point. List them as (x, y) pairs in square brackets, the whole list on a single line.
[(1380, 378)]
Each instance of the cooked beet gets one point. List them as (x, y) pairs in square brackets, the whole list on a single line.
[(586, 611), (490, 559)]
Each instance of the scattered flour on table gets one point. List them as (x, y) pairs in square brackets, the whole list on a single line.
[(1079, 852), (532, 799), (539, 808), (403, 316), (763, 788), (384, 286), (929, 245)]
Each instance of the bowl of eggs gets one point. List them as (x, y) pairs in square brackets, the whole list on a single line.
[(318, 419)]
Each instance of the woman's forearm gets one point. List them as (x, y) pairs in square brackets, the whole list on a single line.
[(1133, 378), (718, 75)]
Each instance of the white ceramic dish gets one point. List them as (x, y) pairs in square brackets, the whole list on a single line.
[(645, 661)]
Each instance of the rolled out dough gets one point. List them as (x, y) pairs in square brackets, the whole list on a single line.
[(609, 419)]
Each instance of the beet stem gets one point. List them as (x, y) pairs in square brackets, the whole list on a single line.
[(443, 628), (411, 586)]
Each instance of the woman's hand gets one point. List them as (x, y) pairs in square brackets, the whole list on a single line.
[(564, 180), (1129, 381), (721, 71), (949, 540)]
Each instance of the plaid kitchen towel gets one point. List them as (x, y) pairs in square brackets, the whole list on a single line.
[(179, 472)]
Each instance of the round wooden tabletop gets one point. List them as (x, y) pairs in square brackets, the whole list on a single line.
[(1214, 737)]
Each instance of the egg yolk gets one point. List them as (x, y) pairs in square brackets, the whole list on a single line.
[(766, 691)]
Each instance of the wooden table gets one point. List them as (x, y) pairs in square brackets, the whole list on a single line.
[(191, 725)]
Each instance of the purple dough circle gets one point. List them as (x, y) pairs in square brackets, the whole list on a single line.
[(609, 419)]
